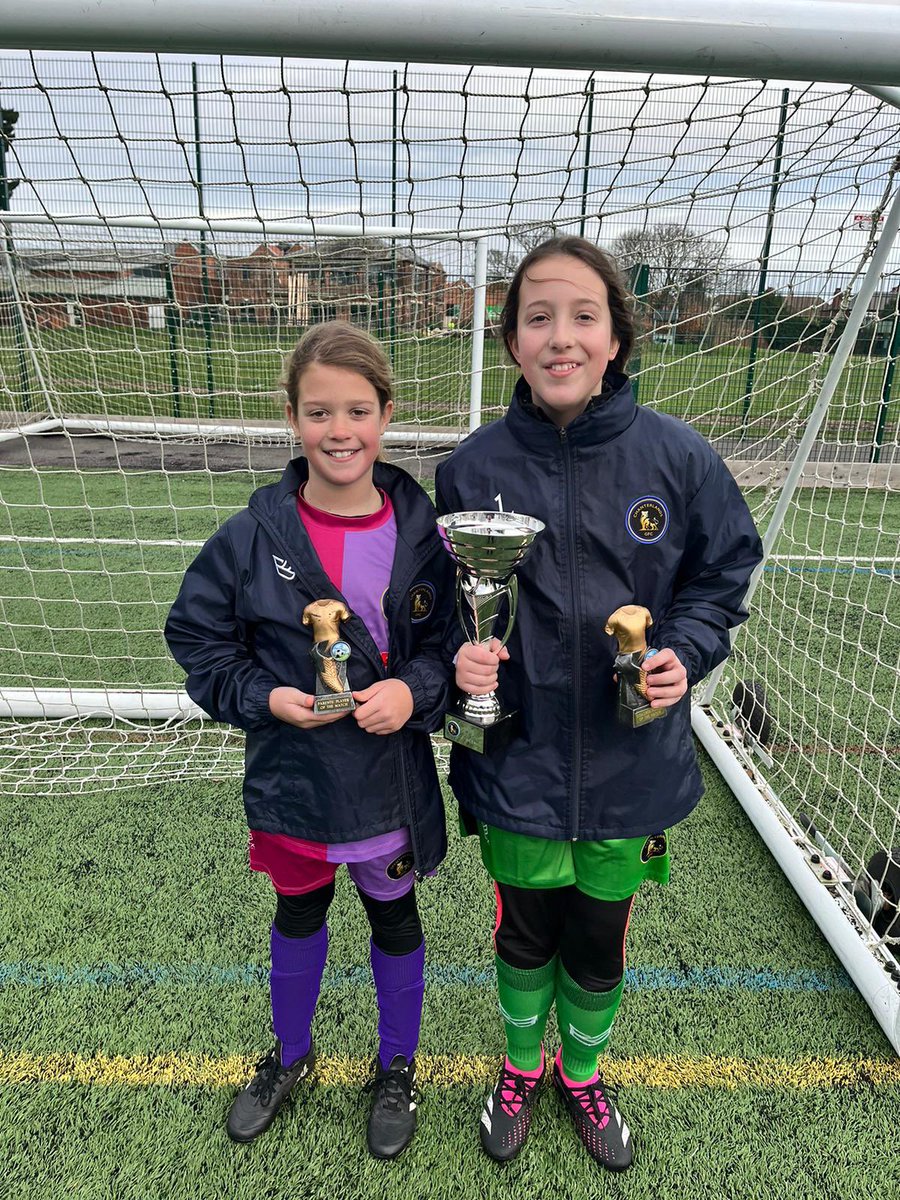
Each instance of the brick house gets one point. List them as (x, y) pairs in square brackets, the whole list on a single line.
[(59, 291)]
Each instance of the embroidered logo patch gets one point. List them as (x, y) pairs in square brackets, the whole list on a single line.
[(647, 519), (400, 866), (421, 601), (655, 847), (283, 567)]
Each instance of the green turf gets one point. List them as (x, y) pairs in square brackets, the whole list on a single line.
[(125, 372), (159, 877)]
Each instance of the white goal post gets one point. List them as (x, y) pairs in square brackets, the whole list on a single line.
[(179, 198)]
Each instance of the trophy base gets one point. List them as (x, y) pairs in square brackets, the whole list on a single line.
[(634, 716), (334, 702), (483, 739)]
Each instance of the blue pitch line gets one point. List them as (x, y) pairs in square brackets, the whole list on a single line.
[(252, 975), (890, 572)]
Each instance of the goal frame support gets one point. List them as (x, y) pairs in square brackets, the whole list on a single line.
[(865, 962), (838, 41)]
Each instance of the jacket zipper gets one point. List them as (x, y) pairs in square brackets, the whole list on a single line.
[(571, 549), (400, 755)]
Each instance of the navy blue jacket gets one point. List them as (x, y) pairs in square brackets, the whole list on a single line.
[(638, 509), (236, 630)]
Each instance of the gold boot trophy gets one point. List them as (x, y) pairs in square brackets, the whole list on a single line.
[(629, 625), (330, 654)]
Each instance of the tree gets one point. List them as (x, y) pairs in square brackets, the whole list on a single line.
[(684, 264), (501, 264)]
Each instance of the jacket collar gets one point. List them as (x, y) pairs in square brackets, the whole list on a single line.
[(276, 506), (605, 417)]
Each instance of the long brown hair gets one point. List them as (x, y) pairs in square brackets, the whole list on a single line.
[(339, 344), (602, 264)]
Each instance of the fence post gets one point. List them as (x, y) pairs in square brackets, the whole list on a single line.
[(9, 118), (764, 258), (204, 270), (640, 286), (587, 157), (171, 328)]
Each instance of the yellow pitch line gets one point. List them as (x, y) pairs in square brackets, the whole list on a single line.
[(194, 1070)]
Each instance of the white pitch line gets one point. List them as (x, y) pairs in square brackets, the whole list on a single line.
[(189, 543), (84, 541)]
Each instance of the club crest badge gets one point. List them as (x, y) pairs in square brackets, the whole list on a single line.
[(421, 601), (400, 866), (655, 847), (647, 519)]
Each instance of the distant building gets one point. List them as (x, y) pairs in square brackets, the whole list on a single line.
[(365, 281), (60, 291), (459, 304), (257, 287)]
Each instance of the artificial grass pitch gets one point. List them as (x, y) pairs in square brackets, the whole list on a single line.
[(135, 939)]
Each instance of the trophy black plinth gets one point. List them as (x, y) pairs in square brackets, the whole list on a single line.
[(483, 739), (332, 702), (633, 709)]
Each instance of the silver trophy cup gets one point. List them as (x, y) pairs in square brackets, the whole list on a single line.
[(486, 547)]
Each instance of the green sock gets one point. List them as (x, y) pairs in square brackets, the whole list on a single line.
[(585, 1020), (525, 999)]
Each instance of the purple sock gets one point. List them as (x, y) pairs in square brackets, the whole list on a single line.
[(295, 978), (399, 987)]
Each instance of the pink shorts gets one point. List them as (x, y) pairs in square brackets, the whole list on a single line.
[(296, 866)]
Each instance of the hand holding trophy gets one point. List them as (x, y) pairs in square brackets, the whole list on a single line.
[(486, 547), (629, 625), (330, 654)]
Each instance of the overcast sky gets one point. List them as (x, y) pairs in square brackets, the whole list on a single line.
[(478, 148)]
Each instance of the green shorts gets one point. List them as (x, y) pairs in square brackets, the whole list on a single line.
[(610, 870)]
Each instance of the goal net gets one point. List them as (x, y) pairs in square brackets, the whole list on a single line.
[(171, 227)]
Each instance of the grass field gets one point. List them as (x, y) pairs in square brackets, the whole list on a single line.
[(134, 1001), (124, 372), (132, 972)]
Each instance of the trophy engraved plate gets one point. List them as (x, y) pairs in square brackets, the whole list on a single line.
[(486, 547), (629, 626), (330, 654)]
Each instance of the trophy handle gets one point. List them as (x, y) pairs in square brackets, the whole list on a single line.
[(512, 589), (461, 605)]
